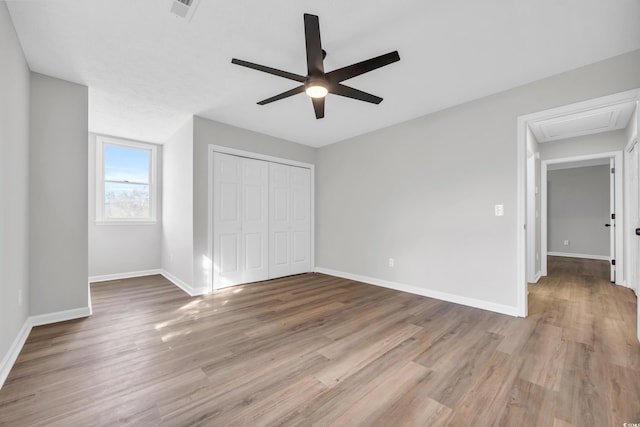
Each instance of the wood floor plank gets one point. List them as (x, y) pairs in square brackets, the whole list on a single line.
[(316, 350), (354, 360), (486, 399), (530, 405), (374, 404), (547, 351), (335, 401)]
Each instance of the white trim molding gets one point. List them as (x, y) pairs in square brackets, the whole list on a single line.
[(101, 142), (583, 256), (119, 276), (43, 319), (536, 278), (14, 351), (60, 316), (190, 290), (443, 296)]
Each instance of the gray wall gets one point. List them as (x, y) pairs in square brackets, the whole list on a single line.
[(424, 191), (58, 195), (577, 209), (177, 205), (207, 132), (119, 249), (14, 181)]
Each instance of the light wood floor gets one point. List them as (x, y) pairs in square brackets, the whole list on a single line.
[(317, 350)]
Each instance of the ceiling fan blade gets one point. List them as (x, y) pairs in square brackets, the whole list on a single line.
[(344, 73), (318, 106), (313, 44), (349, 92), (283, 95), (269, 70)]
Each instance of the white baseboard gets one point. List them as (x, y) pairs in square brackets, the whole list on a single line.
[(119, 276), (191, 291), (584, 256), (60, 316), (43, 319), (170, 277), (16, 346), (537, 277), (471, 302)]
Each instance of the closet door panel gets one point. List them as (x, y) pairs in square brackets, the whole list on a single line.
[(227, 219), (289, 222), (300, 181), (255, 220), (280, 248), (254, 252), (240, 220), (229, 254), (300, 244)]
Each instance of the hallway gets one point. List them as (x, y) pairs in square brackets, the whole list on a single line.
[(599, 353)]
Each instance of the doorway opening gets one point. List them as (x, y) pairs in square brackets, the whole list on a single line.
[(582, 210), (616, 113)]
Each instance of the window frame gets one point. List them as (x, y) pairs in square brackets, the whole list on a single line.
[(101, 142)]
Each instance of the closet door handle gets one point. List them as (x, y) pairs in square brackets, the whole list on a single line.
[(637, 231)]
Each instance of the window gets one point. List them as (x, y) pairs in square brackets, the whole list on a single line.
[(126, 188)]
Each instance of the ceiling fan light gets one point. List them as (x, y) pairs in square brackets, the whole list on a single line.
[(316, 90)]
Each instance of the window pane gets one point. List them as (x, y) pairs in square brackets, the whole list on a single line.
[(126, 164), (126, 201)]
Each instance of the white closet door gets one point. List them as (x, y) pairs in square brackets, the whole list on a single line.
[(289, 220), (255, 220), (240, 220)]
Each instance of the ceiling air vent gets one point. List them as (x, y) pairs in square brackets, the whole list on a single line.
[(184, 8)]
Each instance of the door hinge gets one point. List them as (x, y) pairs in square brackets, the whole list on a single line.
[(613, 262), (613, 216), (613, 170)]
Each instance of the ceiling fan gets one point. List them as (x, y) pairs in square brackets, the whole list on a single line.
[(317, 83)]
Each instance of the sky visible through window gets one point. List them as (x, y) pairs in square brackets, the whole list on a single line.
[(126, 164), (128, 197)]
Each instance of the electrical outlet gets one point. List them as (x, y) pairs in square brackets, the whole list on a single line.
[(566, 243), (499, 210), (392, 262), (20, 297)]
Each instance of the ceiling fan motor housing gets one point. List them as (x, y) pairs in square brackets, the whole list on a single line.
[(317, 84)]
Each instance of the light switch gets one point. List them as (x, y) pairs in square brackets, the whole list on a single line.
[(499, 210)]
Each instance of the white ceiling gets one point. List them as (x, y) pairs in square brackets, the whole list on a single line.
[(588, 122), (148, 70)]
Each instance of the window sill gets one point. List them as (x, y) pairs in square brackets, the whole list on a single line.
[(102, 222)]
